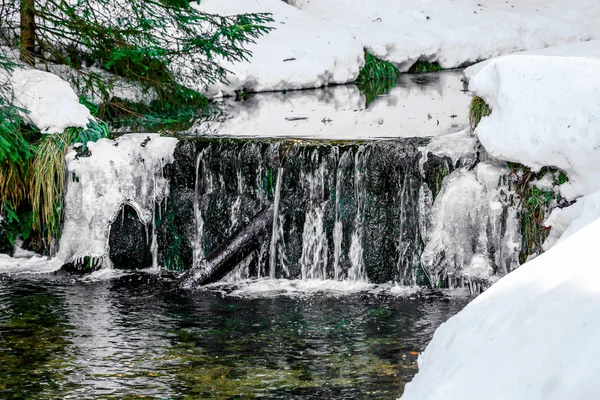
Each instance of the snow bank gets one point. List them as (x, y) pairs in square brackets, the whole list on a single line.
[(302, 51), (52, 104), (531, 336), (545, 112), (589, 49), (459, 31)]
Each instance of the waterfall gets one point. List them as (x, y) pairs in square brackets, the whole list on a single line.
[(275, 231)]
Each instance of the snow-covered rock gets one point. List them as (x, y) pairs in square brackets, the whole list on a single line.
[(545, 112), (128, 170), (588, 49), (301, 52), (531, 336), (51, 103), (459, 31)]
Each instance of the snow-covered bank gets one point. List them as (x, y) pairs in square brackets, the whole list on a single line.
[(457, 32), (301, 52), (316, 43), (531, 336), (51, 103), (425, 105), (589, 49), (545, 112)]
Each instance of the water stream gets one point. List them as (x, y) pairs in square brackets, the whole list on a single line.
[(134, 337)]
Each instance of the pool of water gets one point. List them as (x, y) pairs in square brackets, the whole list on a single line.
[(135, 336)]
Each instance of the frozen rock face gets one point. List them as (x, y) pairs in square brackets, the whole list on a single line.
[(51, 103), (472, 230), (128, 170)]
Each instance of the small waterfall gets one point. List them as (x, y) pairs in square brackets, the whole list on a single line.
[(314, 239), (275, 235), (200, 187), (338, 229), (357, 269)]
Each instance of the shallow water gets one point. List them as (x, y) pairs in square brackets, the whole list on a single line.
[(135, 336), (420, 105)]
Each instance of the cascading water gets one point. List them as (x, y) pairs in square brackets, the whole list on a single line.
[(341, 211)]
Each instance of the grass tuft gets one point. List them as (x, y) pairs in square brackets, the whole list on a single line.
[(377, 70), (477, 110), (376, 78), (421, 67)]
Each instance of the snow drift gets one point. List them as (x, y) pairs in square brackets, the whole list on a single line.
[(531, 336), (545, 112)]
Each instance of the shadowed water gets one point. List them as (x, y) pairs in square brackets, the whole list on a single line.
[(136, 337)]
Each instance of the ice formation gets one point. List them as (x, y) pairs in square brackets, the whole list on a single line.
[(473, 230), (51, 103), (128, 170)]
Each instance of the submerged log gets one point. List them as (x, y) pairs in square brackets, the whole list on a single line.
[(230, 253)]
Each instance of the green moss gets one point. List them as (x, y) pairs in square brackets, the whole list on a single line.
[(477, 110), (535, 205), (421, 67)]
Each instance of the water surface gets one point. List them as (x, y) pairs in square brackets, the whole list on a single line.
[(136, 337)]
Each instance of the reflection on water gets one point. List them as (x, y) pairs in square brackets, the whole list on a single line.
[(135, 336), (419, 105)]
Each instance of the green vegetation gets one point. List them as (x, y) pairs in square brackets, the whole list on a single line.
[(477, 110), (535, 205), (421, 67), (163, 49), (376, 78)]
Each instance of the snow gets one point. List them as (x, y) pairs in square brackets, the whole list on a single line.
[(533, 335), (51, 103), (457, 32), (554, 122), (317, 43), (420, 105), (128, 170), (566, 221), (301, 52), (588, 49)]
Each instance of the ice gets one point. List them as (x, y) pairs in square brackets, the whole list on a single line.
[(532, 335), (51, 103), (128, 170), (471, 232)]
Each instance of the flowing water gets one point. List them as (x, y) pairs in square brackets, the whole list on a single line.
[(317, 311), (135, 337)]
